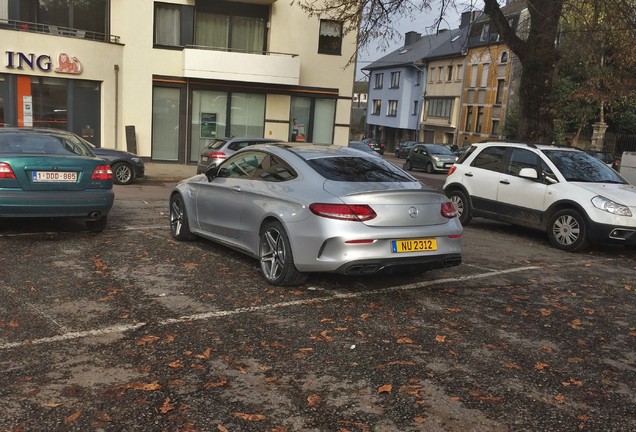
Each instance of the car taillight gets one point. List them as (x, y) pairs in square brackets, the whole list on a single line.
[(102, 172), (5, 171), (357, 213), (452, 169), (217, 155), (448, 210)]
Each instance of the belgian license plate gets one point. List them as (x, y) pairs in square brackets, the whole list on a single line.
[(54, 176), (413, 245)]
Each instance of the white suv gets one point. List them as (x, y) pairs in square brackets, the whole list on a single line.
[(576, 198)]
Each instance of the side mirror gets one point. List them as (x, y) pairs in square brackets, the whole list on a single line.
[(211, 172), (529, 173)]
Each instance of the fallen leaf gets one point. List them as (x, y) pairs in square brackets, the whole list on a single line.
[(72, 417), (312, 400), (440, 338), (453, 310), (99, 264), (190, 266), (559, 398), (167, 406), (52, 404), (541, 366), (325, 335), (576, 324), (205, 355), (628, 287), (175, 364), (545, 312), (404, 340), (365, 315), (13, 323), (411, 390), (147, 339), (249, 417), (512, 366), (222, 428), (103, 417), (142, 386), (387, 388), (220, 383), (419, 420)]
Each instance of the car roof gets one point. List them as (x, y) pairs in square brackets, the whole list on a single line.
[(524, 145), (307, 151)]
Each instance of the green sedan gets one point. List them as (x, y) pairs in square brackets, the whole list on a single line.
[(49, 173)]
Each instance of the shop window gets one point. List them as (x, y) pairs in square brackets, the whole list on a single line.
[(247, 115), (330, 38), (312, 120), (165, 123), (209, 119)]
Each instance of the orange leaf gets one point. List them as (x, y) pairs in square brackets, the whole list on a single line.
[(365, 315), (205, 355), (404, 340), (167, 406), (175, 364), (512, 366), (419, 420), (559, 398), (190, 266), (143, 386), (576, 324), (411, 390), (52, 405), (13, 323), (216, 384), (541, 366), (387, 388), (249, 417), (312, 400), (221, 428), (545, 312), (147, 339), (453, 310), (72, 417), (440, 339), (325, 335)]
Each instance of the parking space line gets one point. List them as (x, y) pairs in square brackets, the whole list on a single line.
[(220, 314)]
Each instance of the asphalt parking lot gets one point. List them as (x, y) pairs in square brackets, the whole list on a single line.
[(130, 330)]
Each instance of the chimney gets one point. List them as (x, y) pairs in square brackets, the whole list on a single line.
[(411, 37), (467, 18)]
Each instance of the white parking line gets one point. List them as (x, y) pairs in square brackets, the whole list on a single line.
[(231, 312)]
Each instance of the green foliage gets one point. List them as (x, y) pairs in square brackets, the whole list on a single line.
[(512, 124)]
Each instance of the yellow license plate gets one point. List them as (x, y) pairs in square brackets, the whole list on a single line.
[(413, 245)]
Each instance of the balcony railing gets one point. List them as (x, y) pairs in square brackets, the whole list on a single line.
[(32, 27)]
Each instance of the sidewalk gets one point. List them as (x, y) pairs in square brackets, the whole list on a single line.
[(168, 171)]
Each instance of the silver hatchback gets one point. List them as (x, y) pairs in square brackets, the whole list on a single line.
[(303, 208)]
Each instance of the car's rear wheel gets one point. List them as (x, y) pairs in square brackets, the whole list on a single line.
[(179, 226), (429, 168), (277, 261), (97, 225), (461, 203), (122, 173), (567, 230)]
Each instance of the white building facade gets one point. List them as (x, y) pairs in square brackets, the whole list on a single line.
[(166, 78)]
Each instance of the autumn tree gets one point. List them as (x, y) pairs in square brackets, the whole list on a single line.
[(536, 49)]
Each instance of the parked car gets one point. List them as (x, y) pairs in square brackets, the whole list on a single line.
[(221, 148), (359, 145), (302, 208), (403, 149), (375, 144), (430, 157), (126, 166), (565, 192), (53, 173)]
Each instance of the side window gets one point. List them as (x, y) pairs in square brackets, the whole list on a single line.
[(330, 38), (490, 158), (241, 166), (273, 169), (521, 158)]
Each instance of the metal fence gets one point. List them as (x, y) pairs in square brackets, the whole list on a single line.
[(618, 143)]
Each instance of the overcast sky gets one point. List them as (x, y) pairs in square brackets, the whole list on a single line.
[(421, 24)]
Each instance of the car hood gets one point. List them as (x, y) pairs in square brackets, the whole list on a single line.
[(621, 193)]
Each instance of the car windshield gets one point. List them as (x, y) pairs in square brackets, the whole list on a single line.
[(361, 146), (581, 167), (357, 169), (439, 150)]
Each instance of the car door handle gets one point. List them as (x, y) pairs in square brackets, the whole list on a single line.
[(468, 174), (504, 182)]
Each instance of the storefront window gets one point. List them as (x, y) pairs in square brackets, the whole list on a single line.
[(49, 102), (209, 119), (247, 115), (313, 120), (165, 123)]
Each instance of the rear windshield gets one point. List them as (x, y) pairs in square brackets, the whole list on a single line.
[(581, 167), (439, 149), (32, 143), (357, 169)]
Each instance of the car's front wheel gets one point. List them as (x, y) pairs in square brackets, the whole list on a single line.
[(277, 261), (122, 173), (461, 203), (179, 226), (567, 231)]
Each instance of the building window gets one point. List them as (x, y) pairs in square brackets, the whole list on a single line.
[(167, 24), (440, 107), (379, 81), (480, 118), (84, 15), (484, 75), (395, 80), (484, 33), (330, 37), (473, 76), (504, 57), (500, 92), (458, 69), (377, 106), (469, 119), (231, 26), (431, 75), (449, 73), (313, 120), (418, 78), (392, 108), (415, 105), (495, 127), (440, 73)]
